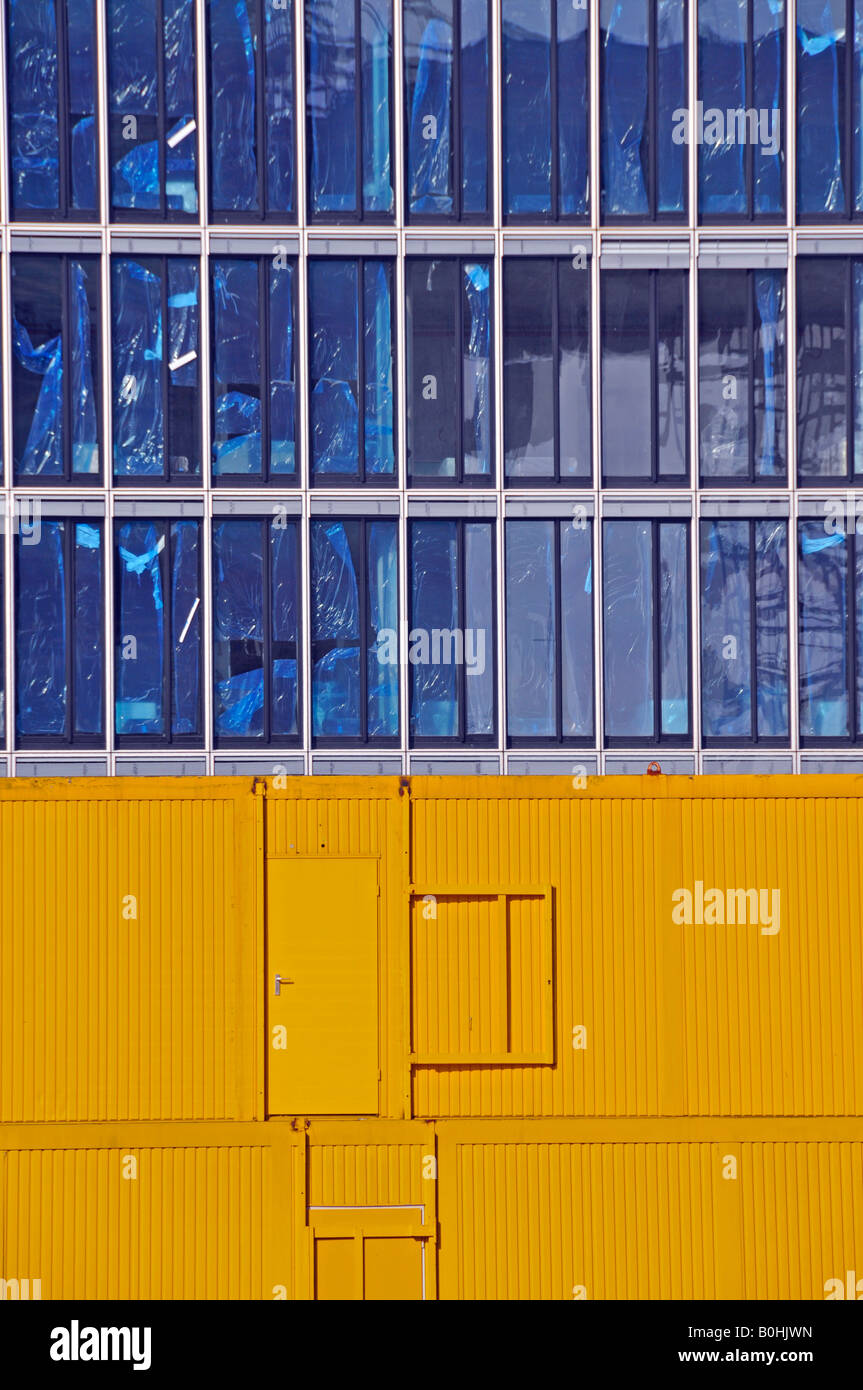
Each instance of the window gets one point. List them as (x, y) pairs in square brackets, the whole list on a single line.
[(642, 103), (451, 639), (355, 662), (55, 413), (549, 632), (349, 89), (152, 127), (449, 374), (741, 163), (829, 369), (744, 631), (254, 391), (546, 372), (53, 165), (157, 570), (256, 605), (351, 371), (156, 398), (646, 633), (59, 635), (741, 351), (546, 106), (645, 411), (447, 113), (251, 110), (829, 110), (830, 633)]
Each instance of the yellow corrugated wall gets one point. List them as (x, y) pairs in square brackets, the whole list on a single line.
[(702, 1139)]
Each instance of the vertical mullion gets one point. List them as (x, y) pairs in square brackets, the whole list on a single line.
[(361, 368)]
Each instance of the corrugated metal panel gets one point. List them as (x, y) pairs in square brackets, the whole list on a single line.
[(369, 1175), (191, 1223), (128, 973)]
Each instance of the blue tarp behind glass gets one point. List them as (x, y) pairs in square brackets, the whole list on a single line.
[(823, 599), (768, 58), (474, 107), (186, 627), (379, 368), (671, 158), (89, 660), (429, 37), (573, 86), (234, 42), (284, 610), (41, 688), (38, 165), (383, 599), (821, 39), (39, 284), (628, 629), (236, 313), (145, 174), (476, 368), (331, 86), (769, 378), (282, 370), (434, 604), (822, 367), (771, 623), (624, 51)]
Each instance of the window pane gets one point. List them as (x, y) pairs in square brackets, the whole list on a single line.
[(530, 629), (576, 587), (674, 628), (527, 137), (626, 374), (474, 106), (434, 605), (41, 690), (34, 138), (722, 28), (528, 387), (383, 618), (236, 314), (771, 622), (574, 384), (184, 455), (433, 289), (238, 633), (428, 29), (724, 385), (671, 374), (140, 674), (379, 368), (234, 44), (820, 106), (822, 584), (476, 368), (670, 157), (186, 627), (138, 418), (623, 124), (284, 714), (768, 172), (628, 606), (726, 638), (573, 105), (336, 629), (180, 127), (479, 655), (377, 26), (279, 107), (821, 367), (283, 418), (332, 105), (769, 375), (334, 366)]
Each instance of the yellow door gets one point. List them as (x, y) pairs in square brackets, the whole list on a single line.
[(370, 1253), (322, 986)]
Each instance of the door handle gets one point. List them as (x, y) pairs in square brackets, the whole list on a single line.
[(282, 980)]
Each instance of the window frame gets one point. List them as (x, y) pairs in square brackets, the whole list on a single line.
[(361, 479), (459, 478), (265, 478), (359, 216), (558, 739), (266, 741), (555, 479), (654, 478), (67, 478), (750, 217), (162, 214), (64, 211), (850, 478), (778, 480), (853, 654), (754, 739), (653, 217), (69, 739), (363, 740), (166, 479), (166, 555), (458, 217), (845, 128), (262, 213), (658, 740), (462, 739)]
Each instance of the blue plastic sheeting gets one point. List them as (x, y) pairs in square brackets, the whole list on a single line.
[(186, 628), (282, 371), (341, 632), (527, 106), (142, 172), (821, 40), (379, 364), (474, 106), (138, 413), (430, 102), (331, 80), (239, 627), (236, 367), (671, 159), (824, 593), (768, 166), (34, 116), (42, 636), (43, 452), (728, 611), (769, 381), (334, 366), (476, 369), (573, 86)]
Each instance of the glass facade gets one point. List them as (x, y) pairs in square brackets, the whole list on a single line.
[(444, 385)]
